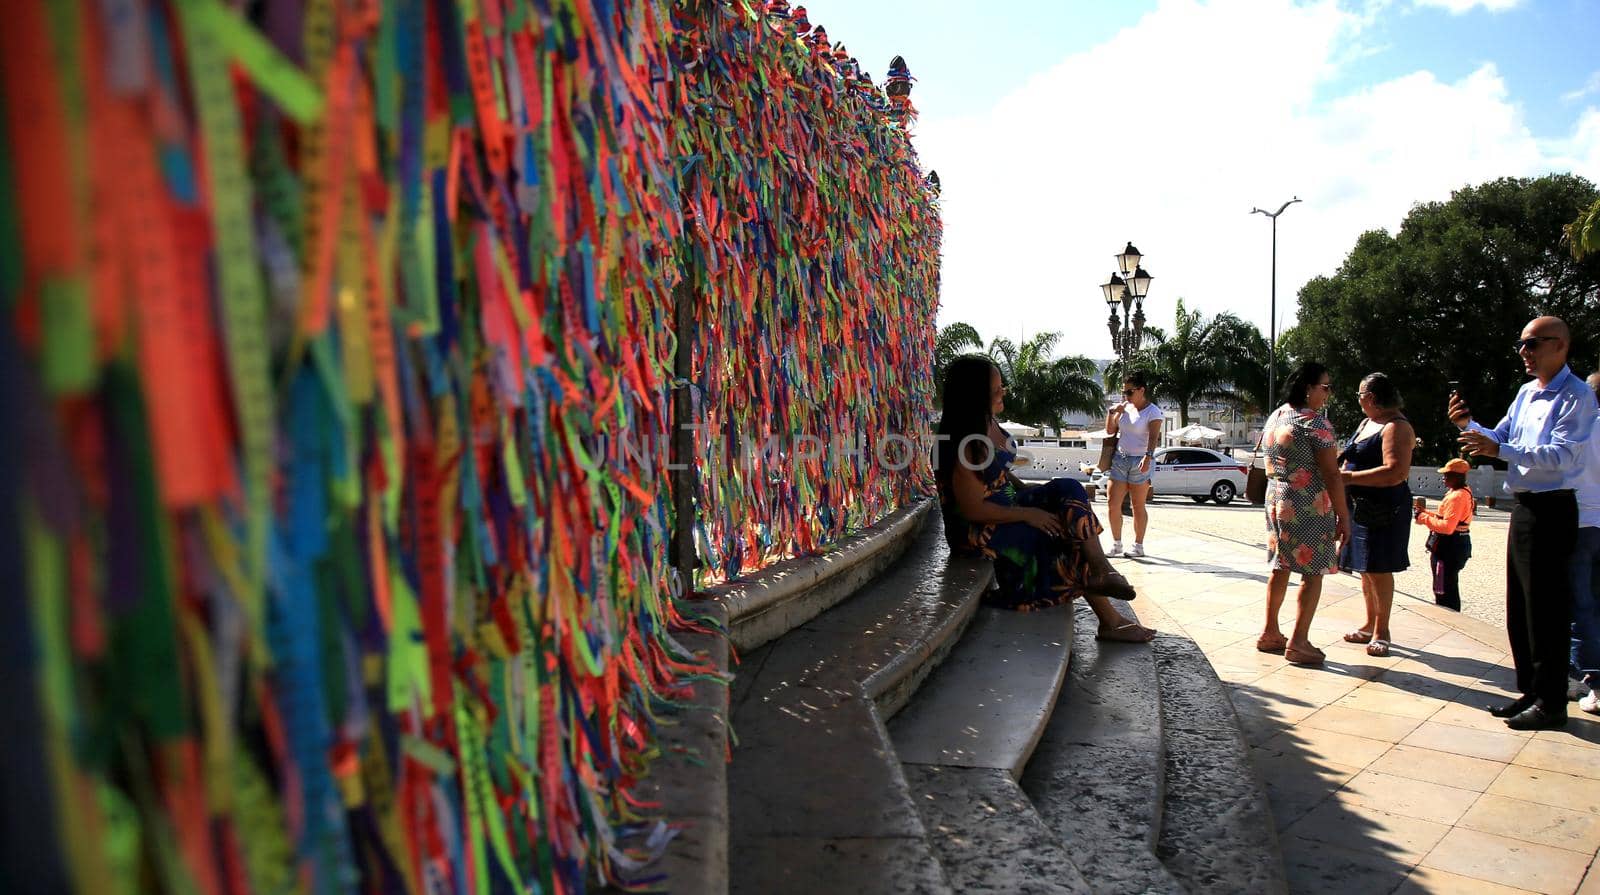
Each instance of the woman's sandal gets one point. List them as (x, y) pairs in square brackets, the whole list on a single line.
[(1111, 585), (1303, 657), (1358, 636), (1267, 644), (1130, 632), (1378, 649)]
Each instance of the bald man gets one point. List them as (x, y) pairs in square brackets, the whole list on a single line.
[(1543, 438)]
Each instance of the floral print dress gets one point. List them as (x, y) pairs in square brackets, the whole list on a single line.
[(1301, 526), (1033, 569)]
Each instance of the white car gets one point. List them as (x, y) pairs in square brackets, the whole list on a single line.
[(1198, 473)]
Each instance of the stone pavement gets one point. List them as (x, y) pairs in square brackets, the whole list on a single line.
[(1385, 775)]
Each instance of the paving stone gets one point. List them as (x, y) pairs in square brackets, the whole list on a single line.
[(1548, 788), (1438, 767), (1495, 745), (1341, 748), (1390, 702), (1565, 757), (987, 835), (1300, 769), (1509, 862), (1428, 881), (1412, 798), (1319, 869), (1577, 831), (1402, 839), (1373, 725)]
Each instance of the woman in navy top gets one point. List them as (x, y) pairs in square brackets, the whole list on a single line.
[(1377, 469)]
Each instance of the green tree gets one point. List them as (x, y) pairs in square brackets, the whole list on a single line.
[(1041, 389), (1583, 234), (1444, 298)]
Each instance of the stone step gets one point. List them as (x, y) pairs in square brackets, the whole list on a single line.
[(788, 594), (1097, 775), (817, 797), (964, 741), (987, 835), (1217, 830), (988, 702)]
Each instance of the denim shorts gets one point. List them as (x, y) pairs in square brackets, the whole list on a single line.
[(1125, 468)]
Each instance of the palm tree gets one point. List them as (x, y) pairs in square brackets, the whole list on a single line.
[(949, 345), (1040, 389), (1193, 364), (1246, 363), (1583, 234)]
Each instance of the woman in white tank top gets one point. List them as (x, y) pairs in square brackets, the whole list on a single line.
[(1136, 421)]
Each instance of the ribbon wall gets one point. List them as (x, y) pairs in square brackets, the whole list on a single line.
[(330, 322), (337, 357), (814, 246)]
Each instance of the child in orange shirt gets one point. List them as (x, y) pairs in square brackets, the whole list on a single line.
[(1449, 540)]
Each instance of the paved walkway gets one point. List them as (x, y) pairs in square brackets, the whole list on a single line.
[(1385, 775)]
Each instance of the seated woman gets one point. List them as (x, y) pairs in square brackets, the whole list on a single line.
[(1044, 539)]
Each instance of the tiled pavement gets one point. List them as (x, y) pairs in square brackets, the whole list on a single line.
[(1385, 775)]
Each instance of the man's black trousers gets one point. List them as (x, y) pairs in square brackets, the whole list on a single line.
[(1544, 527)]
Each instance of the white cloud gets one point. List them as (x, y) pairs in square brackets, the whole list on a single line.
[(1590, 88), (1457, 7), (1168, 134)]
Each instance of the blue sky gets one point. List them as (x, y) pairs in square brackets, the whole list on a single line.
[(1062, 129)]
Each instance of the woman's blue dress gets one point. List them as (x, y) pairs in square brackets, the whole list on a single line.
[(1033, 569), (1380, 518)]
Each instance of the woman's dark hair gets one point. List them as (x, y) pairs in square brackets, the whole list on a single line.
[(1455, 480), (1136, 378), (968, 399), (1383, 392), (1301, 382)]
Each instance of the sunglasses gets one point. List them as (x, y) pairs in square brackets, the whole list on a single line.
[(1127, 393), (1530, 344), (1327, 386)]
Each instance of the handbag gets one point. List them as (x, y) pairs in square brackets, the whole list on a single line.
[(1432, 543), (1373, 513), (1108, 450)]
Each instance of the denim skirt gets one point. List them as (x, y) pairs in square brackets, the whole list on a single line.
[(1380, 542)]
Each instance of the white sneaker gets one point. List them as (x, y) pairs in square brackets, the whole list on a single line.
[(1136, 550), (1591, 703), (1116, 549)]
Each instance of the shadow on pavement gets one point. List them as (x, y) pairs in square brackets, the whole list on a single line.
[(1329, 845)]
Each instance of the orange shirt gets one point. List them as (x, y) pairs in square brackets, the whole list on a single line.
[(1455, 513)]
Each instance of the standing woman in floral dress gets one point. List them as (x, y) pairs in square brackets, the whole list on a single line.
[(1306, 512)]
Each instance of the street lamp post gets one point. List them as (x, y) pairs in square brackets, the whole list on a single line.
[(1128, 290), (1272, 322)]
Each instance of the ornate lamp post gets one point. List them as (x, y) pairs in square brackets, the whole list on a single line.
[(1128, 290)]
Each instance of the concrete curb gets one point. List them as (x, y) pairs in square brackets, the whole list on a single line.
[(778, 599), (690, 779)]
